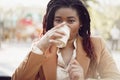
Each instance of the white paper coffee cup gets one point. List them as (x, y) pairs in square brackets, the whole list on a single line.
[(63, 41)]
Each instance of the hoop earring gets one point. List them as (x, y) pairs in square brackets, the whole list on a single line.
[(80, 27)]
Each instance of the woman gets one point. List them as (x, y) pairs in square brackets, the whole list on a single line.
[(83, 58)]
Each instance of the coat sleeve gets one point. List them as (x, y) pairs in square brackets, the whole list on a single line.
[(107, 67), (29, 67)]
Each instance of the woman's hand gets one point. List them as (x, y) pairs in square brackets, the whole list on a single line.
[(50, 37), (75, 71)]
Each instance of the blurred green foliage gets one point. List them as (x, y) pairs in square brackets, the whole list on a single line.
[(103, 17)]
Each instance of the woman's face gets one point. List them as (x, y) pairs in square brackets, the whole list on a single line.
[(71, 18)]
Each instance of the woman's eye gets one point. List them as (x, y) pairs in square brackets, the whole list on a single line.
[(71, 21), (58, 21)]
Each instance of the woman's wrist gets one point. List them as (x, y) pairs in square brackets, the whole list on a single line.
[(41, 47), (36, 50), (42, 44)]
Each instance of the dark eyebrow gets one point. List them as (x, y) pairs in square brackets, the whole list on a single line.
[(57, 17), (71, 17), (67, 17)]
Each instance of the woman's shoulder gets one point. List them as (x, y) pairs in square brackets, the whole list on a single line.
[(98, 45), (97, 41), (96, 38)]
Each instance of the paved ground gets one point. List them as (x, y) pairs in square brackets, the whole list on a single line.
[(12, 54), (116, 56)]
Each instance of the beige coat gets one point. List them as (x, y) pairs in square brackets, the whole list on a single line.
[(38, 67)]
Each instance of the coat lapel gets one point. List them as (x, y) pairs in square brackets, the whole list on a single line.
[(82, 56)]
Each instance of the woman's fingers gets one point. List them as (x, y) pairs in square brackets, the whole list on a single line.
[(54, 42), (51, 37), (59, 25), (75, 70), (74, 61), (56, 34)]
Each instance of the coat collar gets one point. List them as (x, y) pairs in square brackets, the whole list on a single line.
[(82, 56), (50, 66)]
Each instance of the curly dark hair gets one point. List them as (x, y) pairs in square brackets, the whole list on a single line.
[(84, 17)]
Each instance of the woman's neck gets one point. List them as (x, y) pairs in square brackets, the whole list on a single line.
[(70, 42)]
